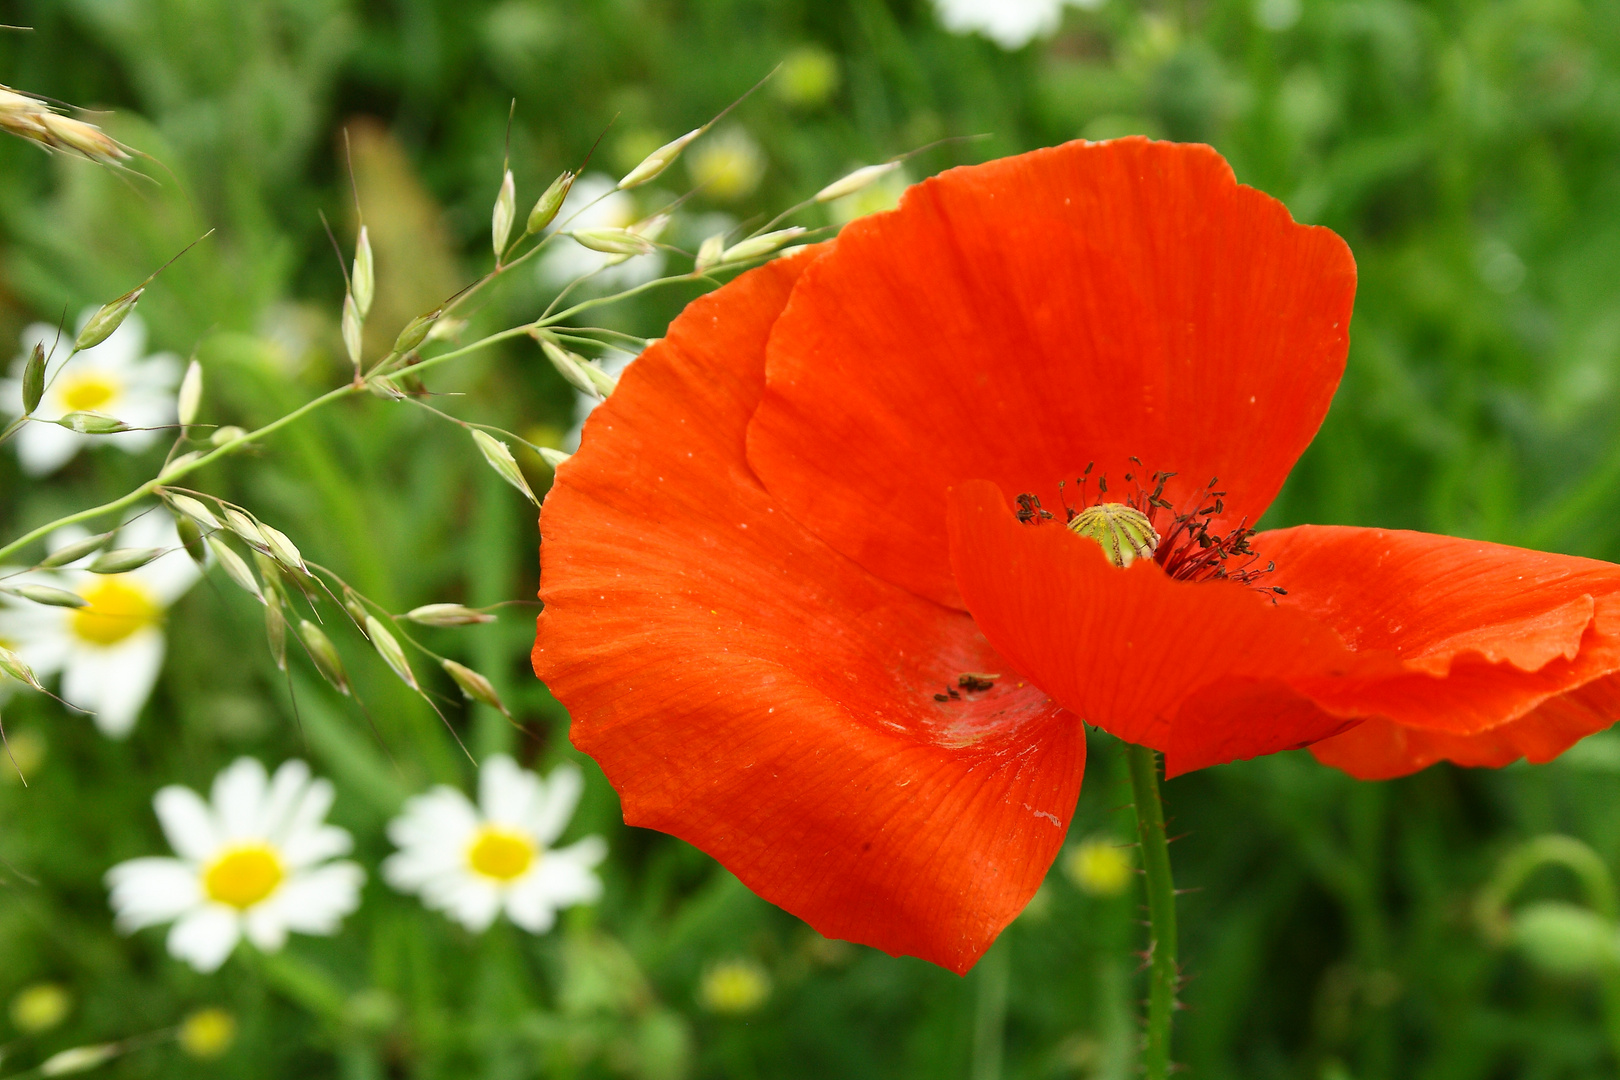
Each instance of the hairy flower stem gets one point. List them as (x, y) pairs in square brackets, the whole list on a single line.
[(1144, 764)]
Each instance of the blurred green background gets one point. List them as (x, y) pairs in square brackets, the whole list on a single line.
[(1469, 151)]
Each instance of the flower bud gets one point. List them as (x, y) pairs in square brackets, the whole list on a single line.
[(764, 244), (123, 560), (48, 595), (33, 380), (235, 568), (388, 648), (105, 321), (501, 460), (657, 161), (500, 226), (78, 1059), (1124, 532), (190, 394), (91, 423), (614, 241), (545, 210), (325, 655), (75, 551), (447, 615), (474, 686), (229, 433), (191, 539), (552, 457), (195, 510), (1565, 939), (710, 252), (855, 181), (351, 328), (416, 331), (363, 279), (13, 665)]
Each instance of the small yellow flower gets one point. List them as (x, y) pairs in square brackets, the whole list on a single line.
[(728, 165), (734, 987), (40, 1007), (207, 1033), (1099, 866)]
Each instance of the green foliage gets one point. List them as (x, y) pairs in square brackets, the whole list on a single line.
[(1469, 152)]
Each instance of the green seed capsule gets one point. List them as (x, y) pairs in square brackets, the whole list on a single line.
[(545, 210), (109, 318), (1124, 533)]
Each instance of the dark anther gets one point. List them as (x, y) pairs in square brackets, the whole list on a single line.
[(975, 681), (952, 693), (941, 697), (1029, 509), (1278, 589)]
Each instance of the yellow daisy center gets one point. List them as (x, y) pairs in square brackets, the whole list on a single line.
[(88, 390), (243, 876), (501, 853), (118, 607)]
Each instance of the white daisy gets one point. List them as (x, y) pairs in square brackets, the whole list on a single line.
[(1012, 24), (110, 652), (256, 862), (473, 862), (112, 378), (564, 260)]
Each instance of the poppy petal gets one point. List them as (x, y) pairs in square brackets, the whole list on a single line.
[(1206, 672), (1019, 319), (1491, 638), (749, 689)]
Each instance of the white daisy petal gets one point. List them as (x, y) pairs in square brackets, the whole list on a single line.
[(530, 908), (442, 817), (114, 681), (287, 789), (311, 846), (266, 926), (315, 901), (149, 891), (506, 793), (551, 813), (310, 810), (238, 798), (206, 936), (43, 448), (471, 902), (188, 823)]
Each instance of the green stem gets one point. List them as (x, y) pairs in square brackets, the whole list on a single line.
[(1161, 892)]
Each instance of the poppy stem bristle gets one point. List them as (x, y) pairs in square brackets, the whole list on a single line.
[(1161, 896)]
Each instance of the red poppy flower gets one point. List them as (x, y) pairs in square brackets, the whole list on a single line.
[(800, 620)]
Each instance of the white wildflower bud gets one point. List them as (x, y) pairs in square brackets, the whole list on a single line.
[(229, 433), (325, 655), (190, 394), (657, 161), (763, 244), (75, 551), (552, 457), (855, 181), (474, 685), (614, 241), (13, 665), (447, 615), (235, 568), (91, 423), (180, 464), (246, 528), (109, 318), (282, 548), (351, 328), (33, 380), (500, 225), (48, 595), (123, 560), (388, 648), (501, 460), (195, 510), (416, 331), (364, 276), (78, 1059), (709, 253), (570, 366), (545, 210)]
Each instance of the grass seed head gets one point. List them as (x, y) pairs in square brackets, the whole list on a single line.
[(545, 210), (190, 397), (505, 212), (352, 321), (191, 539), (109, 318), (235, 568), (194, 509), (49, 595), (416, 331), (388, 648), (657, 161), (282, 548), (570, 366), (611, 241), (855, 181), (246, 528), (123, 560), (69, 553), (228, 433), (501, 460), (180, 465), (325, 655), (78, 1059), (552, 457), (764, 244), (87, 422), (447, 615), (13, 665), (33, 380), (363, 279), (475, 686), (275, 629), (710, 251)]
